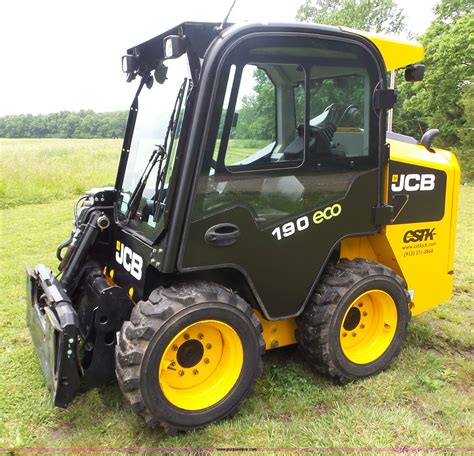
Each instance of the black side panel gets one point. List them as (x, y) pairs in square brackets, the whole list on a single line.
[(101, 310), (417, 193), (283, 271)]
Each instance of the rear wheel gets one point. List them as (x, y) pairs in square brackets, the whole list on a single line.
[(356, 320), (189, 355)]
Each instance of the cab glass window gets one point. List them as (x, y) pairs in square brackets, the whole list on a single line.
[(339, 110), (295, 129), (254, 123), (258, 135)]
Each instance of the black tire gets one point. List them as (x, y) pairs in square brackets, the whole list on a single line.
[(155, 323), (321, 325)]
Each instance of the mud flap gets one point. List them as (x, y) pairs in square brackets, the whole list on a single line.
[(54, 328)]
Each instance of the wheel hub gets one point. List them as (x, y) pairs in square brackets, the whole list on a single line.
[(190, 353), (352, 319)]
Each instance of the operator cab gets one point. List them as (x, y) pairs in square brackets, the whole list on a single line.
[(290, 107), (267, 137)]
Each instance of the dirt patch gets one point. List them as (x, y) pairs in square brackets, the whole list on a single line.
[(63, 430)]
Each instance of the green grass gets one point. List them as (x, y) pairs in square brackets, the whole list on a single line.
[(239, 149), (423, 400), (43, 170)]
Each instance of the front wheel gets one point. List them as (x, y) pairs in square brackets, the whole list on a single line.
[(189, 355), (356, 320)]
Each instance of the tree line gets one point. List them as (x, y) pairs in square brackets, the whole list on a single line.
[(65, 124)]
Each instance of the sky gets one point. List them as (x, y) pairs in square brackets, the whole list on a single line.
[(66, 54)]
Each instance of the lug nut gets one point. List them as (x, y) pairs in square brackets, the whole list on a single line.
[(200, 336), (208, 346), (365, 314), (206, 360), (354, 334), (360, 304), (195, 372), (175, 347), (181, 373), (362, 326), (186, 337), (386, 326), (344, 334), (173, 363)]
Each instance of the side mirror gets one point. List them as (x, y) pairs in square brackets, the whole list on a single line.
[(174, 46), (414, 73)]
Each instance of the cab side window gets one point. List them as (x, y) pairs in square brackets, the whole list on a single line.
[(261, 129), (339, 111), (254, 118), (293, 132)]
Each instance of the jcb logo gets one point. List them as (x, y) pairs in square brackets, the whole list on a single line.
[(327, 214), (419, 235), (131, 261), (413, 182)]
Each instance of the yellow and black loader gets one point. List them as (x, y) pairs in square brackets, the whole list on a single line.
[(261, 200)]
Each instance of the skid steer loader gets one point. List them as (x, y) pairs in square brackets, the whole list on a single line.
[(259, 202)]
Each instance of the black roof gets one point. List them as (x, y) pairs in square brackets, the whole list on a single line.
[(201, 35)]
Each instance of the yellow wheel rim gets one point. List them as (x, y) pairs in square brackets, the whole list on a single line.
[(201, 365), (368, 327)]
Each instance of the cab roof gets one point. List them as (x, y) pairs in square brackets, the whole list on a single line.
[(396, 52)]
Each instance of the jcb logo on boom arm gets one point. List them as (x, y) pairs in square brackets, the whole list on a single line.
[(413, 182), (131, 261)]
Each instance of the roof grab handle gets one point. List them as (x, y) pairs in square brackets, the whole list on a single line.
[(428, 138)]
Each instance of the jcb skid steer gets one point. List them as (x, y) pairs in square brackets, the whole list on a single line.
[(259, 202)]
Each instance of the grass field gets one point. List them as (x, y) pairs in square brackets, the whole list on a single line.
[(424, 400), (43, 170)]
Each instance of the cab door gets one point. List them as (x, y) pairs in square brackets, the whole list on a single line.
[(290, 167)]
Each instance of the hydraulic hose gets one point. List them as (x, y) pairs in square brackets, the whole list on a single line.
[(84, 243)]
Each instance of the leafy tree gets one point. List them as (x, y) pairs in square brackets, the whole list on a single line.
[(466, 151), (370, 15), (451, 10), (65, 124), (443, 99), (257, 114)]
